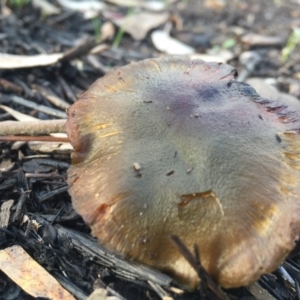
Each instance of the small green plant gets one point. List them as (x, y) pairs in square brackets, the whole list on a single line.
[(292, 42), (229, 43), (18, 3), (97, 25), (122, 29)]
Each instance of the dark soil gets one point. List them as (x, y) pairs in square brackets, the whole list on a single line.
[(36, 180)]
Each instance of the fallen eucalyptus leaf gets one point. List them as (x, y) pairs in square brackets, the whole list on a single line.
[(138, 24), (46, 7), (30, 276), (17, 115), (11, 61), (165, 43), (89, 8)]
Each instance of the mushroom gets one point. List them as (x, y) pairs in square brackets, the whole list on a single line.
[(173, 146)]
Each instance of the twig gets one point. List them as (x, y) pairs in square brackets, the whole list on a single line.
[(195, 263), (249, 60), (32, 128), (53, 193), (125, 269), (89, 43), (45, 109), (71, 287), (82, 49), (21, 138), (66, 89), (19, 207), (61, 17), (158, 289), (52, 98), (10, 86), (259, 293)]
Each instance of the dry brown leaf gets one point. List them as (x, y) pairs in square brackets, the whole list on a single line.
[(30, 276), (138, 24), (254, 39)]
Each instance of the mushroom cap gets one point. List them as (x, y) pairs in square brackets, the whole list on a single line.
[(173, 146)]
